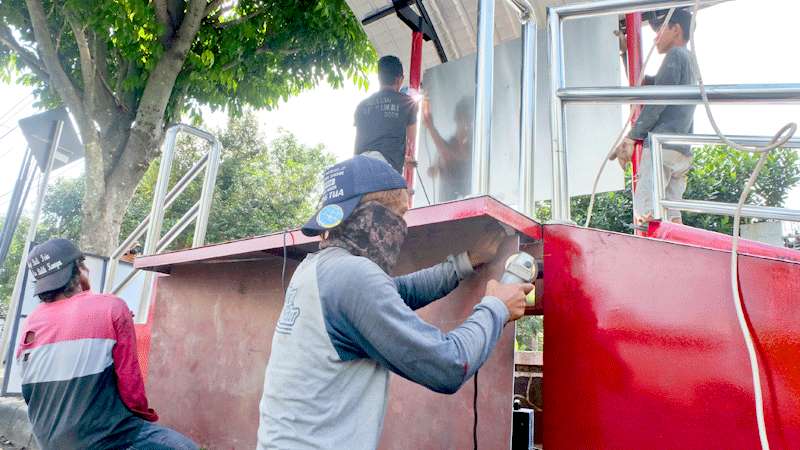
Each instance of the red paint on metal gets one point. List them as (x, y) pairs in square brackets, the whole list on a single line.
[(414, 76), (633, 37), (144, 332), (212, 327), (415, 69), (655, 359), (675, 232), (483, 206)]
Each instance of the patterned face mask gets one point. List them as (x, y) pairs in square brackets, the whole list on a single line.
[(371, 231)]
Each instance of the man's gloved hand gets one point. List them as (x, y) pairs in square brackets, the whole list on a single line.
[(623, 153), (513, 295), (486, 248)]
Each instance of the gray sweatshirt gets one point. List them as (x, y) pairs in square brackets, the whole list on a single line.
[(675, 70), (345, 324)]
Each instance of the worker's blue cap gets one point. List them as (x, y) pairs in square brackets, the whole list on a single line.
[(343, 186)]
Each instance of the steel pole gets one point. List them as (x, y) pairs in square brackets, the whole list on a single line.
[(484, 82), (558, 134), (16, 302), (683, 95), (527, 118), (659, 212), (609, 7), (207, 194)]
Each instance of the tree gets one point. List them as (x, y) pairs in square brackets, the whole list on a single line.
[(260, 188), (127, 69)]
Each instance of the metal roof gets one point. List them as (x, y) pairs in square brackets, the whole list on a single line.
[(455, 22)]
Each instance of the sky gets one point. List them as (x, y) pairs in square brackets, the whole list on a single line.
[(741, 41)]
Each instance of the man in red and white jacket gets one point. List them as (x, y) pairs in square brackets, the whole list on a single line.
[(80, 373)]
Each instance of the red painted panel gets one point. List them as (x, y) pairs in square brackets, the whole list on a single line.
[(654, 359), (674, 232)]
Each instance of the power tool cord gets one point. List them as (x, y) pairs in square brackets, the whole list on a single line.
[(781, 137), (475, 412)]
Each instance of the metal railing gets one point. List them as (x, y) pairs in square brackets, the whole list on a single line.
[(151, 225), (660, 204), (561, 95)]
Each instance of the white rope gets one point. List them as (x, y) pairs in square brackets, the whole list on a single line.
[(781, 137)]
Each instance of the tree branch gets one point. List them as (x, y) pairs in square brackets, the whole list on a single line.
[(29, 58), (212, 6), (163, 18), (88, 69), (238, 20), (61, 82)]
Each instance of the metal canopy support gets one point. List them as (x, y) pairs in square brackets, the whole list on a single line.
[(482, 131), (16, 301), (17, 203), (527, 117), (416, 22)]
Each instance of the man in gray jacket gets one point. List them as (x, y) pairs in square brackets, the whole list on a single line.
[(676, 69), (346, 323)]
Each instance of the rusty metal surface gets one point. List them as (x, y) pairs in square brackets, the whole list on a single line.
[(212, 326), (644, 351)]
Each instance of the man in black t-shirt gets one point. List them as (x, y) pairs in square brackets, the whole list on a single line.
[(386, 122)]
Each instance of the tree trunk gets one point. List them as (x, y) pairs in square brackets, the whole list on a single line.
[(103, 211)]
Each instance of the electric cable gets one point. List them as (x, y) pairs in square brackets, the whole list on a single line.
[(624, 130), (13, 107), (781, 137), (424, 191), (475, 411), (6, 134)]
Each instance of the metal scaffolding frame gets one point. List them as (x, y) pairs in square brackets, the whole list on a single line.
[(151, 225), (660, 204), (561, 95)]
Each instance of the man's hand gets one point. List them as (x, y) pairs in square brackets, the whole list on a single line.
[(623, 153), (427, 119), (486, 248), (513, 295)]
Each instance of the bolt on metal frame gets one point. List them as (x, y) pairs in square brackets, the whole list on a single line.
[(151, 225), (674, 95), (660, 204)]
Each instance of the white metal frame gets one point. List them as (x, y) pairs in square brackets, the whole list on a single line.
[(660, 204), (681, 95), (162, 200)]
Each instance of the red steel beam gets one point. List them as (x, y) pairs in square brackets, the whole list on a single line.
[(414, 77)]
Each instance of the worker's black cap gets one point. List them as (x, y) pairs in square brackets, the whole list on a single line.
[(656, 18), (343, 186), (51, 264)]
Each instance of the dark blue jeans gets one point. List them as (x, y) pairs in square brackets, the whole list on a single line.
[(156, 437)]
